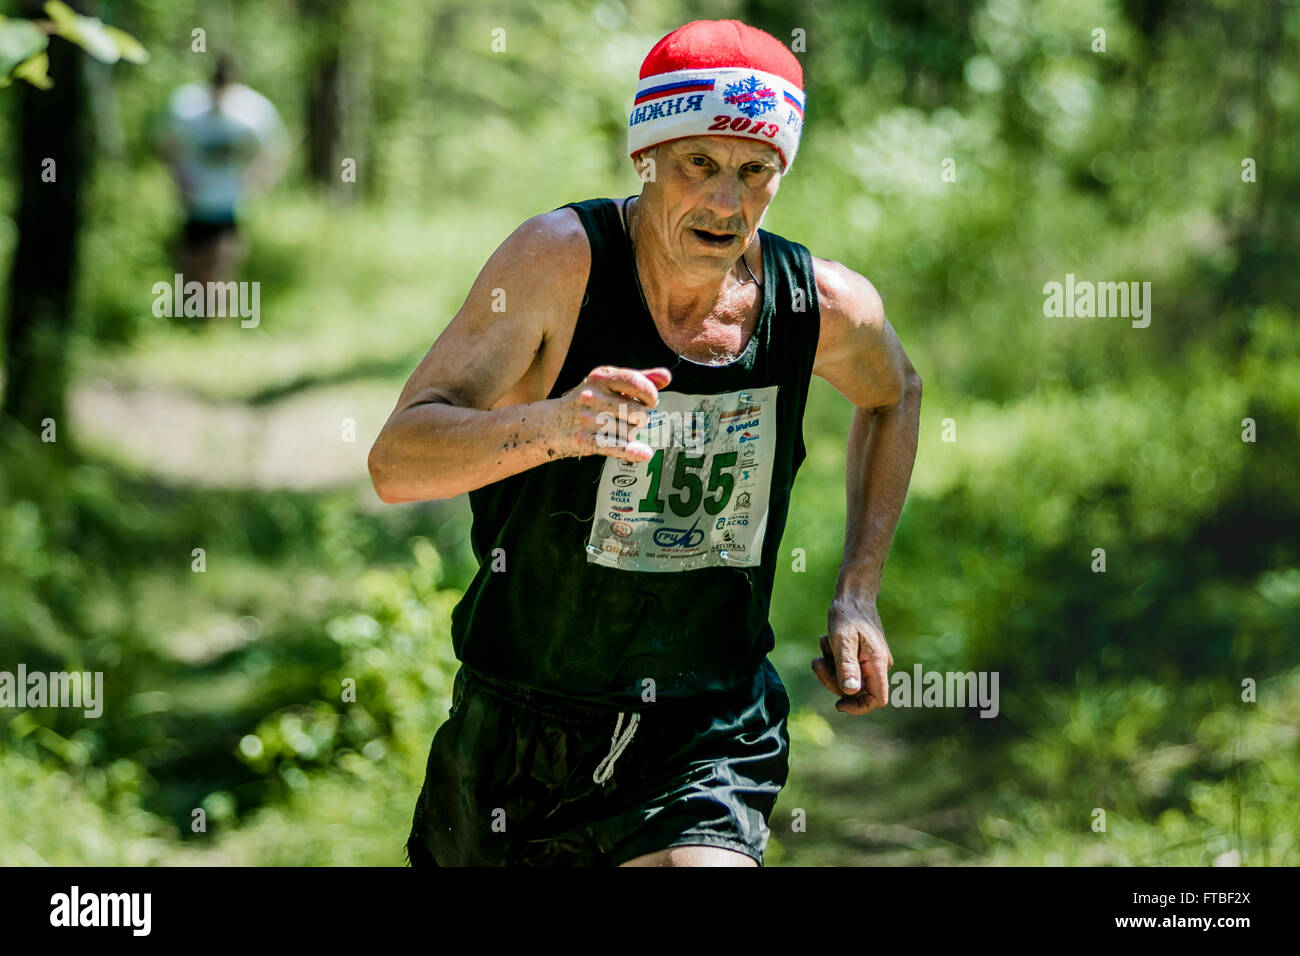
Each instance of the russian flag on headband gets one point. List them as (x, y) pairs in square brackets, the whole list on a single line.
[(673, 89), (793, 101)]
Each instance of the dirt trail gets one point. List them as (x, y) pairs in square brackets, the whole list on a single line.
[(298, 443)]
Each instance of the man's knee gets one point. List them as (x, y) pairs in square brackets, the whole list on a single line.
[(694, 856)]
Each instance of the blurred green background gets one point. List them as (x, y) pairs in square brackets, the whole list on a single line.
[(1120, 690)]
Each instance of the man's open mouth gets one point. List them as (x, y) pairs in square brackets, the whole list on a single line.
[(714, 238)]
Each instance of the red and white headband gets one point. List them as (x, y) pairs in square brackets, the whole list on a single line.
[(719, 78), (732, 101)]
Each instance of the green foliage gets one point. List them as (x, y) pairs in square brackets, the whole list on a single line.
[(391, 686), (20, 41), (23, 43), (54, 817), (1120, 690), (105, 43), (1217, 785)]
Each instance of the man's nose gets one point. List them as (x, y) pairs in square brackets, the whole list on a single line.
[(724, 201)]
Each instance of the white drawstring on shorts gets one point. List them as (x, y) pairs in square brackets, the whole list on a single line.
[(617, 745)]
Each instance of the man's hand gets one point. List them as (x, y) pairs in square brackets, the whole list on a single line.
[(599, 415), (853, 651)]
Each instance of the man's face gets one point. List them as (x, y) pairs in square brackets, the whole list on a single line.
[(709, 195)]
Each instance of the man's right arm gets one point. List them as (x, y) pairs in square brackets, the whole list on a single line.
[(444, 437)]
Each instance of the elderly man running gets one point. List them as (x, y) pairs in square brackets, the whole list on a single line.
[(622, 397)]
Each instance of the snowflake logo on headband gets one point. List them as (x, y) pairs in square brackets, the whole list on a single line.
[(750, 96)]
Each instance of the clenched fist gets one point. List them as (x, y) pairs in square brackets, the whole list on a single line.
[(855, 653), (599, 415)]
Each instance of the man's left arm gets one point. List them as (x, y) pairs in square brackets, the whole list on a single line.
[(859, 353)]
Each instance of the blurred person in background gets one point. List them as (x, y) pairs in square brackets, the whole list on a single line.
[(219, 140)]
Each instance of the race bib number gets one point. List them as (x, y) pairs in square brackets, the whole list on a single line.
[(701, 501)]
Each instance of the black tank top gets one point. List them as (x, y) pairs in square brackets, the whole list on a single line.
[(597, 576)]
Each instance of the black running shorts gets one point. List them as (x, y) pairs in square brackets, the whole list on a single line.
[(520, 778), (203, 232)]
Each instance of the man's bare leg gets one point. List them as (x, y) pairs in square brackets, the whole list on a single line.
[(231, 253), (693, 856), (217, 260)]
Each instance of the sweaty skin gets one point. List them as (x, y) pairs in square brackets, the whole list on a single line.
[(475, 410)]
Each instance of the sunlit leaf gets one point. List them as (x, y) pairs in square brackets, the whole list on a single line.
[(131, 49), (35, 71), (86, 32), (20, 40)]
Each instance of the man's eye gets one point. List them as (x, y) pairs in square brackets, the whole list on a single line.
[(702, 160)]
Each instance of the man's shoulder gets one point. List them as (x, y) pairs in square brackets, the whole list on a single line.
[(250, 106), (846, 295), (549, 254), (189, 100), (560, 227), (564, 225), (555, 243)]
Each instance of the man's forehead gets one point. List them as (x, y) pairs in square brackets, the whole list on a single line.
[(739, 147)]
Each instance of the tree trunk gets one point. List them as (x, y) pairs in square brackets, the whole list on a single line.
[(333, 99), (40, 321)]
